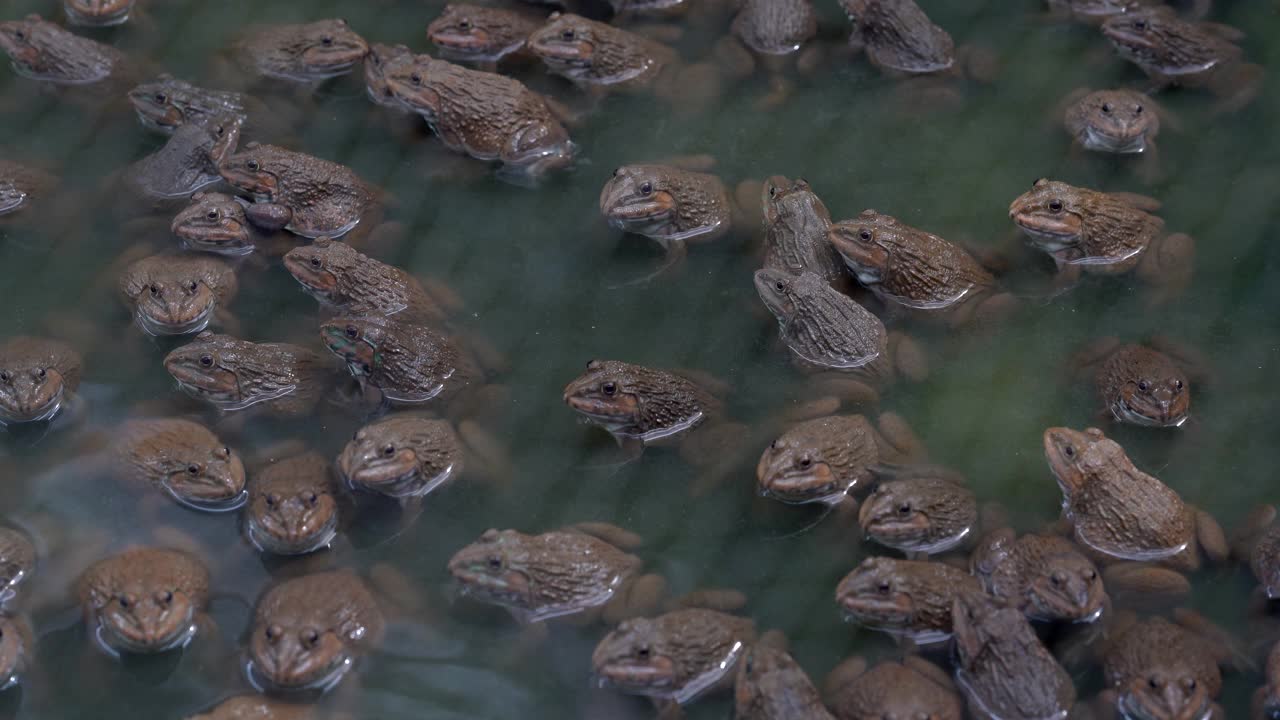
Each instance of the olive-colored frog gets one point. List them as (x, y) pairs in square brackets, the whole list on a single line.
[(352, 283), (42, 50), (484, 36), (38, 378), (408, 363), (97, 13), (144, 600), (1147, 384), (292, 508), (189, 160), (922, 514), (232, 374), (1044, 576), (909, 598), (771, 685), (909, 688), (182, 458), (306, 52), (795, 225), (177, 294)]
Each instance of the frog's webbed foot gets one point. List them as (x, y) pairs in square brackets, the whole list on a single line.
[(1212, 540), (1148, 166), (903, 442), (641, 597), (1243, 539), (676, 252), (780, 90), (694, 88), (1086, 360), (721, 599), (979, 64), (1240, 90), (486, 453), (993, 310), (909, 358), (841, 675), (736, 61), (1221, 645), (1147, 584), (1167, 267), (715, 451)]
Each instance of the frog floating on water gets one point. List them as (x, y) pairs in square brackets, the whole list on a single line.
[(177, 294), (144, 600), (306, 52), (97, 13), (292, 507), (910, 598), (483, 36), (771, 685), (38, 379), (167, 103), (408, 456), (775, 34), (232, 374), (41, 50), (1145, 384), (909, 688), (218, 223), (182, 458), (352, 283), (1044, 576), (1122, 121), (796, 223), (922, 513)]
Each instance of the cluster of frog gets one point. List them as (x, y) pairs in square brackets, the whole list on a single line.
[(393, 348)]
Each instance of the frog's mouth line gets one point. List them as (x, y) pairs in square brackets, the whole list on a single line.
[(47, 411), (1052, 604), (76, 16), (323, 683), (801, 488), (466, 43), (115, 644), (561, 54), (1122, 144), (212, 505), (266, 541), (159, 328), (510, 588), (654, 677), (1172, 415), (861, 609), (11, 198), (1133, 707)]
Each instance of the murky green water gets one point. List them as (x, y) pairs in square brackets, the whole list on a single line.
[(533, 267)]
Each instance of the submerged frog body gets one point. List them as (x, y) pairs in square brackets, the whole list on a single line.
[(17, 650), (1114, 121), (22, 186), (97, 13), (377, 65), (38, 378), (910, 688), (408, 363), (600, 57), (177, 294), (402, 456), (796, 223), (898, 36), (911, 598), (777, 33), (351, 283), (218, 223), (167, 103), (676, 656), (306, 52), (1044, 576), (633, 401), (1158, 669), (187, 162), (256, 707), (666, 203), (17, 563), (1138, 384), (182, 458), (771, 685), (482, 35), (292, 509), (1258, 544), (919, 514), (41, 50), (820, 325), (302, 193), (232, 374), (144, 600)]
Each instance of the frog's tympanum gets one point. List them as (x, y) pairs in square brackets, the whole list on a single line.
[(676, 656), (38, 377), (351, 283), (303, 53), (821, 326), (911, 598), (292, 509), (41, 50), (771, 685), (667, 204), (22, 186), (97, 13), (309, 631), (182, 458), (232, 374), (1003, 669), (795, 225), (633, 401), (187, 162), (909, 688), (919, 515), (481, 35), (17, 563), (168, 103), (405, 455), (1160, 670), (1139, 384), (144, 600), (408, 363), (1044, 576), (256, 707), (177, 294), (600, 57), (17, 650)]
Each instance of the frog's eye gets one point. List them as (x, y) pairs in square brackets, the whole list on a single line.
[(41, 374), (773, 191), (1106, 108), (125, 601), (904, 509), (253, 165), (1177, 384), (567, 35), (366, 369), (389, 450), (643, 652), (1057, 579), (646, 188), (353, 332), (806, 462), (206, 360), (609, 388), (780, 286), (272, 500), (20, 34), (1055, 206), (161, 98), (312, 499), (211, 215), (193, 469), (865, 234), (192, 286), (464, 25), (164, 597), (316, 262), (1190, 683), (4, 376), (155, 290), (616, 171), (885, 588), (1140, 25), (326, 40), (225, 452), (1143, 386), (416, 79), (309, 638), (1068, 450), (495, 562), (273, 633), (1153, 683), (1137, 109), (1093, 575)]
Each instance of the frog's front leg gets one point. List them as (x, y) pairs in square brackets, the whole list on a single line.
[(1239, 88), (269, 215), (1166, 267)]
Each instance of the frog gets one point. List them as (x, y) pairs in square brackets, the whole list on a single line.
[(1256, 543), (309, 631), (487, 116), (182, 458), (97, 13), (912, 687), (255, 707), (23, 186), (301, 193), (922, 513), (349, 282), (795, 226), (1044, 576), (1002, 667), (144, 600), (1173, 51), (776, 36), (17, 650), (292, 507), (410, 455), (187, 162), (482, 36), (1087, 231), (38, 379), (1147, 384), (17, 563), (42, 50), (218, 223), (231, 374), (601, 58), (1119, 121), (167, 103), (178, 294), (1095, 12), (1266, 699), (910, 599), (828, 459), (380, 58), (917, 273), (771, 685), (674, 657), (304, 52)]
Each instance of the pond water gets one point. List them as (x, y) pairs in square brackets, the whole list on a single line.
[(536, 266)]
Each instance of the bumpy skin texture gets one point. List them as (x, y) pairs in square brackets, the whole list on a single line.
[(21, 186), (538, 577), (17, 563), (1263, 553), (183, 458), (17, 648), (37, 376), (1044, 576), (474, 33), (1161, 671), (144, 600), (795, 225), (1116, 121), (355, 284), (409, 363), (820, 325), (404, 455), (303, 53), (639, 402), (187, 162), (821, 460), (775, 27), (97, 12), (376, 65), (919, 514), (904, 597), (255, 707), (309, 630), (666, 203), (595, 55), (168, 103), (1001, 665), (911, 688), (42, 50), (898, 36), (233, 374), (771, 686), (177, 294), (676, 656), (292, 508), (215, 223), (1143, 386), (1266, 700), (1171, 50), (320, 197)]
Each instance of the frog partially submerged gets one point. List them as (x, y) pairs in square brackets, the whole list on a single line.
[(602, 58), (1121, 121), (795, 225), (256, 707), (377, 64), (218, 223), (97, 13), (17, 563), (1257, 543), (144, 600), (408, 363), (177, 294), (42, 50), (23, 186), (182, 458), (167, 103), (38, 379), (292, 507), (408, 455), (922, 513), (908, 598), (1044, 576), (17, 650), (776, 34), (232, 374), (771, 685), (306, 52), (352, 283), (189, 160), (1142, 384), (483, 36), (911, 687)]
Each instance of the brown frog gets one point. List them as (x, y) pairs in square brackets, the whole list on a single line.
[(352, 283), (255, 707), (1044, 576), (481, 35), (1266, 699), (376, 64), (771, 685), (407, 363), (676, 656), (38, 378), (1163, 670), (144, 600), (1086, 231), (97, 13), (189, 160), (924, 513), (309, 631), (17, 650), (167, 103), (301, 193), (22, 186), (307, 52), (292, 508), (177, 294), (776, 33), (232, 374), (1002, 667), (909, 688), (218, 223), (917, 272), (1124, 122), (42, 50), (908, 598), (600, 57), (1140, 384), (1178, 52), (582, 571), (484, 115), (1095, 12), (17, 563), (795, 226), (408, 455), (826, 459), (182, 458)]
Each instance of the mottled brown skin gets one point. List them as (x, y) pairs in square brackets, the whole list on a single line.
[(38, 377), (1003, 669), (771, 685), (182, 458), (481, 35), (1139, 385), (600, 57), (910, 598), (232, 374), (217, 223), (1158, 670), (401, 456), (776, 34), (1123, 513), (1114, 121), (17, 650), (97, 13), (667, 204), (177, 294), (308, 631), (909, 688), (352, 283), (1258, 544), (376, 65), (821, 326), (22, 186), (255, 707), (1044, 576), (42, 50), (485, 115), (302, 193), (144, 600), (306, 52), (292, 508), (676, 656), (408, 363), (921, 516), (168, 103), (17, 563), (633, 401), (187, 162), (1266, 699), (795, 225), (898, 37)]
